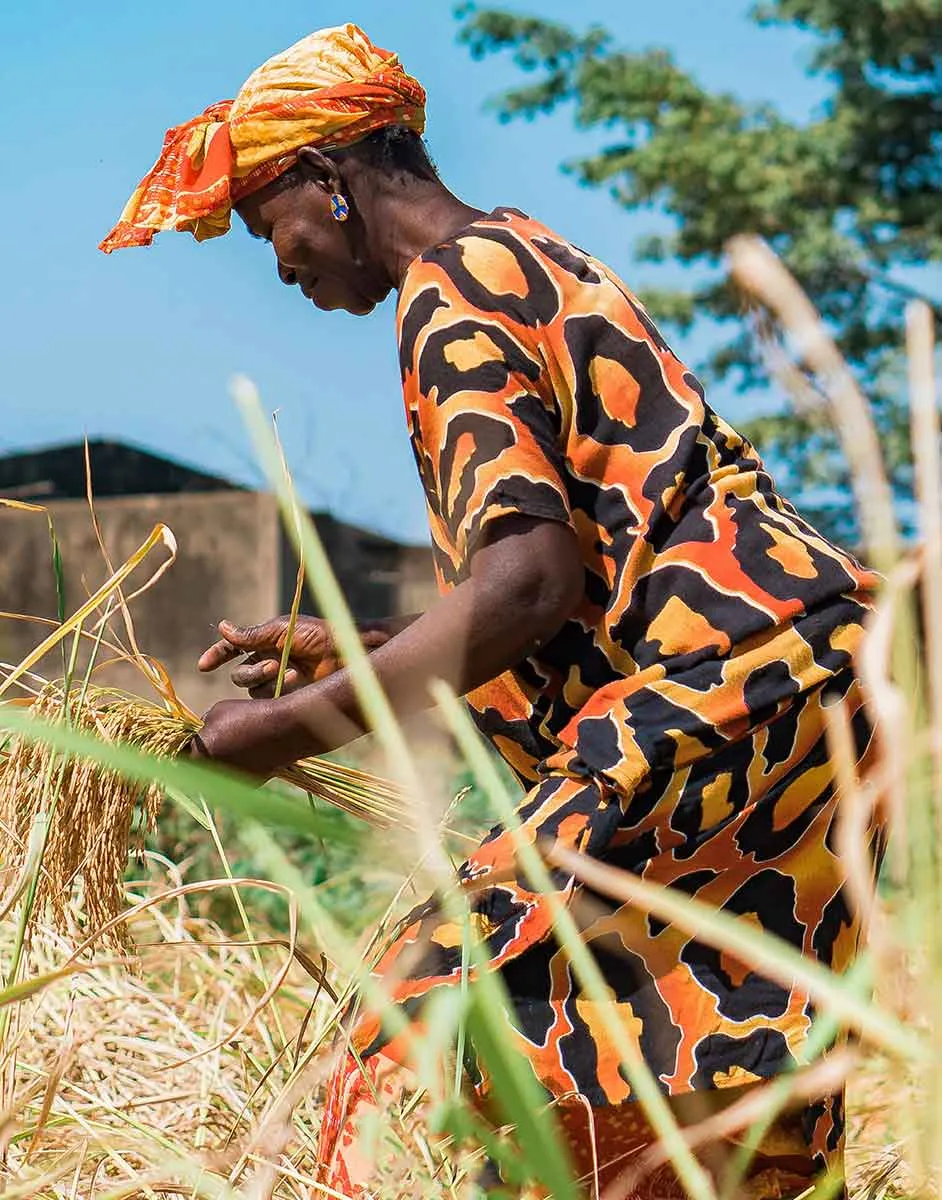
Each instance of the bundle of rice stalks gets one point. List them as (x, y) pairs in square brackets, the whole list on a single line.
[(91, 812), (96, 817), (83, 819)]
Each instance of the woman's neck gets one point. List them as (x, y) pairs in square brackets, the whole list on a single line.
[(404, 217)]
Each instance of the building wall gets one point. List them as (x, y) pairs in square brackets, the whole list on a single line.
[(227, 565), (232, 562), (417, 589), (378, 577)]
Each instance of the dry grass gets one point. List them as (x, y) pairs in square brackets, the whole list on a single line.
[(116, 1084)]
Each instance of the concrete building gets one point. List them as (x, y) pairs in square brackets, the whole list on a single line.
[(234, 559)]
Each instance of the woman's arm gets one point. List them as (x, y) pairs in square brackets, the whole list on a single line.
[(525, 581)]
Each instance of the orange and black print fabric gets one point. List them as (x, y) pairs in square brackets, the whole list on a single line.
[(673, 727)]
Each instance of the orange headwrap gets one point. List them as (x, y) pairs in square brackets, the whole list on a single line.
[(329, 90)]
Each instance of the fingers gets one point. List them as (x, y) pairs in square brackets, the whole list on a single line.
[(255, 671), (218, 655), (266, 691), (263, 645), (238, 639), (259, 672), (264, 688), (269, 635)]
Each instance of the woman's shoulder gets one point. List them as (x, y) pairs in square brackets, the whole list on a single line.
[(505, 266), (507, 234)]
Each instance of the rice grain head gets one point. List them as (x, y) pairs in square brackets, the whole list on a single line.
[(96, 818)]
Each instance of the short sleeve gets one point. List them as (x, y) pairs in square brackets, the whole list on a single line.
[(486, 431)]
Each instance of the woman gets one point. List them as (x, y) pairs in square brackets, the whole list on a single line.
[(643, 627)]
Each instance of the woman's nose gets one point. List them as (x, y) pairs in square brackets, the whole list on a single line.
[(286, 275)]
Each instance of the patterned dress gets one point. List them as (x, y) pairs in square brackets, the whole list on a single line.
[(673, 727)]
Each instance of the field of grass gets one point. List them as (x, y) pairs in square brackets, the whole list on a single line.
[(120, 1090)]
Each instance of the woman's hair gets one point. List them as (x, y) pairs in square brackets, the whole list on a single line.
[(393, 149)]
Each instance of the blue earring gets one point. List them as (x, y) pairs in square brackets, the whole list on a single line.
[(339, 208)]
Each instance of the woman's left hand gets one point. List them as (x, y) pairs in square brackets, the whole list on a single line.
[(244, 734)]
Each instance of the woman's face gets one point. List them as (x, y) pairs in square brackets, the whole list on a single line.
[(324, 257)]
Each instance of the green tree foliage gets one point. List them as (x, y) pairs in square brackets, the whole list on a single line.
[(846, 198)]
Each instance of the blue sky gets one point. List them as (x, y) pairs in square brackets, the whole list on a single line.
[(141, 345)]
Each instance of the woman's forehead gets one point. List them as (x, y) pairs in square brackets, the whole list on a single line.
[(259, 209)]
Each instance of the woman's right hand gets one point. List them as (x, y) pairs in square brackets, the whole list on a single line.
[(313, 654)]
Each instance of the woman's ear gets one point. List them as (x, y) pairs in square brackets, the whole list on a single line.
[(318, 169)]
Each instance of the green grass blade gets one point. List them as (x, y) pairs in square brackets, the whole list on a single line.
[(58, 572)]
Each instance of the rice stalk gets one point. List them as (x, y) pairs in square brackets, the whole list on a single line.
[(757, 268)]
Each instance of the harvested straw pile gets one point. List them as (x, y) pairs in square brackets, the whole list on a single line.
[(177, 1081)]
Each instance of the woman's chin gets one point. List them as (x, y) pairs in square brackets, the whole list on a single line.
[(358, 306)]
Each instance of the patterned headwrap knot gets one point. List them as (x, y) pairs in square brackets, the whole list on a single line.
[(329, 90)]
